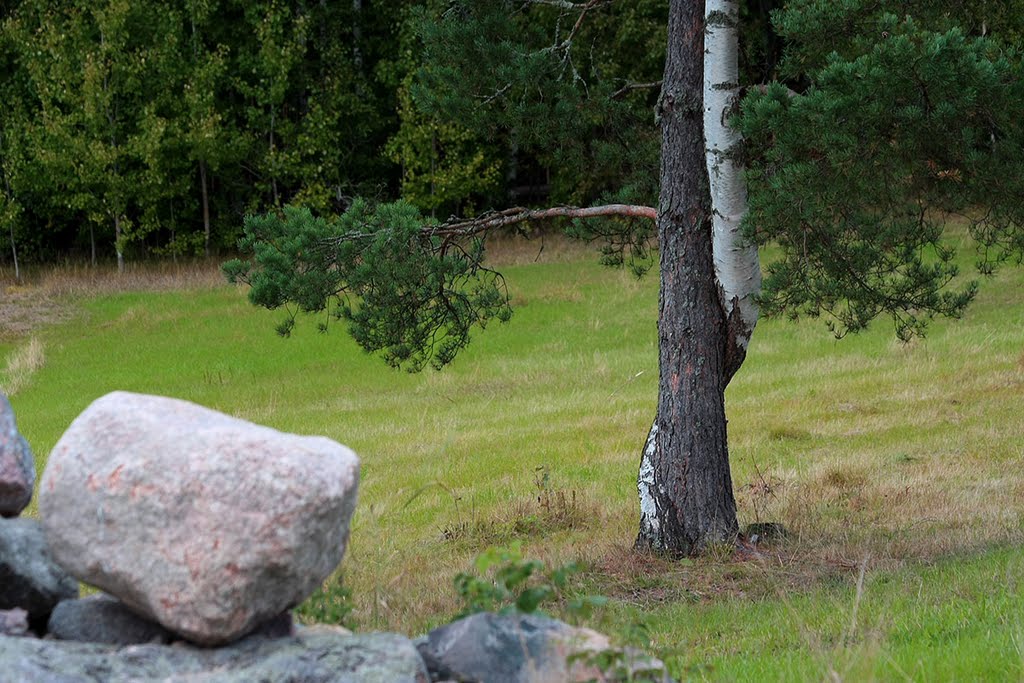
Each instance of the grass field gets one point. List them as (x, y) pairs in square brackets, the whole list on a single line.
[(899, 469)]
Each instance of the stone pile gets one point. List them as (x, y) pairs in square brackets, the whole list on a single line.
[(204, 523), (31, 583), (204, 531)]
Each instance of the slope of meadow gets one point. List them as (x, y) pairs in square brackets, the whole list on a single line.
[(899, 469)]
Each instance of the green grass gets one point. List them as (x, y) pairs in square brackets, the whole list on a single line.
[(906, 456), (958, 619)]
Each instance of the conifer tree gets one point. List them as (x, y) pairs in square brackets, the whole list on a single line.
[(885, 127)]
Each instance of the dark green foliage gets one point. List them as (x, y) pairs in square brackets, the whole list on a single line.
[(403, 291), (760, 45), (902, 129), (128, 111), (555, 87)]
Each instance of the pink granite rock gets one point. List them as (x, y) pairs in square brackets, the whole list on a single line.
[(17, 469), (208, 524)]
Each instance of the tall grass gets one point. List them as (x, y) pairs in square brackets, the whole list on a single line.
[(22, 363)]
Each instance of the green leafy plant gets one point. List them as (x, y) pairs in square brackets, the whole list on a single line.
[(506, 582), (331, 603)]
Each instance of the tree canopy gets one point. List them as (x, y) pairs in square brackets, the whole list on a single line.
[(880, 126), (906, 120)]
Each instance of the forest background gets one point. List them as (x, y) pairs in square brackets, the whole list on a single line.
[(142, 129)]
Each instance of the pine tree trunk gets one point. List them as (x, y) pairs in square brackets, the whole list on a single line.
[(92, 243), (206, 207), (685, 483)]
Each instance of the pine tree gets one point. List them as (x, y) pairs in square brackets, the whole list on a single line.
[(845, 171)]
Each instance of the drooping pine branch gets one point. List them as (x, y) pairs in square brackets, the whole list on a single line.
[(408, 289)]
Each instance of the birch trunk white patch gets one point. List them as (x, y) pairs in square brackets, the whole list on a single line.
[(737, 265), (649, 526)]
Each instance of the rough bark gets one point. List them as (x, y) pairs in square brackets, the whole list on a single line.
[(685, 482)]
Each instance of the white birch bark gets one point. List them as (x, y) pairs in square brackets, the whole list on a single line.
[(737, 265), (649, 524), (736, 261)]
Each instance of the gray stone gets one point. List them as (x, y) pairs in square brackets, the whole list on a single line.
[(17, 468), (29, 578), (520, 648), (310, 657), (208, 524), (106, 620), (13, 622), (103, 619)]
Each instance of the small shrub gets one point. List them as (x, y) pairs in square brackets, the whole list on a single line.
[(505, 582)]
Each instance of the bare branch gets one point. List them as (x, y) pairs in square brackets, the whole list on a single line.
[(467, 227), (560, 4), (565, 46), (496, 95), (630, 87)]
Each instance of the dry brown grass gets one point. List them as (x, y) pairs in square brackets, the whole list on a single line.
[(517, 250), (548, 510), (159, 276), (46, 295), (22, 363)]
